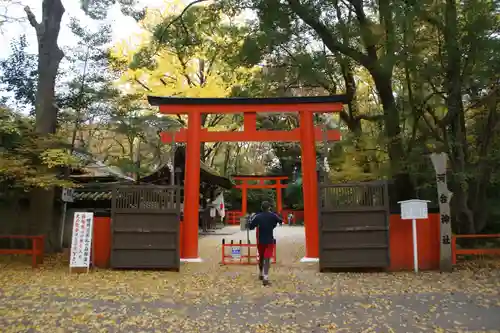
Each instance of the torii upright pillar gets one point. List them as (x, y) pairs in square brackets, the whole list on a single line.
[(192, 190), (310, 186)]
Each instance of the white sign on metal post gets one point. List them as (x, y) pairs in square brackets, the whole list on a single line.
[(414, 210), (81, 240), (68, 194)]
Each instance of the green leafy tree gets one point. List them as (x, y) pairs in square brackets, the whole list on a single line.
[(26, 159), (19, 74), (195, 56), (88, 92), (422, 60), (98, 9), (46, 110), (137, 128)]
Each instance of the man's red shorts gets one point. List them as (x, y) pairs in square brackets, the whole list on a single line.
[(266, 250)]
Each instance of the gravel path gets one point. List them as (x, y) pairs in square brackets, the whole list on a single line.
[(207, 297)]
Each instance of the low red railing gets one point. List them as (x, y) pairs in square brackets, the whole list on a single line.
[(297, 215), (483, 251), (233, 217), (36, 251), (247, 258)]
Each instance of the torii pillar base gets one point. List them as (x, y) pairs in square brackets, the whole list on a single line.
[(189, 260), (309, 260)]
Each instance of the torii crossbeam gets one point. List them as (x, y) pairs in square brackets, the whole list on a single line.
[(307, 134)]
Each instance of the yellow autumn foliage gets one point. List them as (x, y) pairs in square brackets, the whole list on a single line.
[(192, 71)]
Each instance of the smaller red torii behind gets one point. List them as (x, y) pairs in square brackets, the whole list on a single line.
[(245, 185)]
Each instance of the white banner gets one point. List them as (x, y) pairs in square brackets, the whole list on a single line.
[(81, 242), (219, 205)]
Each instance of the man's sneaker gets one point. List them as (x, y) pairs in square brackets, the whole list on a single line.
[(266, 283), (261, 277)]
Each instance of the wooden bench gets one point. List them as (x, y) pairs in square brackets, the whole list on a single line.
[(473, 252), (36, 251)]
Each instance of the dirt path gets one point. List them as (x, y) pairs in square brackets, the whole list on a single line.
[(207, 297)]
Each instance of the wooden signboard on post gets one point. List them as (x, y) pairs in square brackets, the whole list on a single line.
[(81, 242), (444, 198)]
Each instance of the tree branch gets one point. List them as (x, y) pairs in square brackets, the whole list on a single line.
[(32, 20), (328, 39), (142, 84), (373, 117), (431, 127), (216, 120), (184, 70), (366, 32), (179, 118), (430, 19), (180, 16), (212, 62)]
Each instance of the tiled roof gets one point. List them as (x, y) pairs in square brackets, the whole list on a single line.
[(207, 174), (92, 195)]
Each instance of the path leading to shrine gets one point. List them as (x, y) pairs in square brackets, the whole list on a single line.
[(208, 297)]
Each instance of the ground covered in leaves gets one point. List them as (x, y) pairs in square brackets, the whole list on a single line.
[(207, 297)]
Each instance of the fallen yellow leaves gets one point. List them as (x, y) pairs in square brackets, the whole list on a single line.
[(207, 297)]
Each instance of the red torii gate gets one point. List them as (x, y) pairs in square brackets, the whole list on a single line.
[(244, 185), (307, 134)]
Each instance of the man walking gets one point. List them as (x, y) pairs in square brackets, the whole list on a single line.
[(266, 221)]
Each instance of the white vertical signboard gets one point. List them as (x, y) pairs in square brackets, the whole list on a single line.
[(444, 196), (81, 241), (414, 210)]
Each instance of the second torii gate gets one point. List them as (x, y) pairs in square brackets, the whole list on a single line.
[(307, 134), (245, 185)]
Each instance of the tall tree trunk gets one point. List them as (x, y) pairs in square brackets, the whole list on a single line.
[(479, 184), (379, 64), (455, 118), (402, 181), (137, 159), (227, 155), (351, 116), (49, 58), (78, 113)]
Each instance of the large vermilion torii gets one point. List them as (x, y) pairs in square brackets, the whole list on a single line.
[(307, 134)]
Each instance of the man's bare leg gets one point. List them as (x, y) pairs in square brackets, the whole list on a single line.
[(265, 276), (261, 267)]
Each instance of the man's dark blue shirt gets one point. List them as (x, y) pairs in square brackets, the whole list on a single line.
[(266, 222)]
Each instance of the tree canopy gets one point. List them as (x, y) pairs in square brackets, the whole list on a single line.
[(421, 77)]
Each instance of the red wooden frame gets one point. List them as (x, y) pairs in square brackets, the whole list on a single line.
[(233, 217), (473, 252), (247, 259), (307, 134), (37, 248), (245, 185)]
